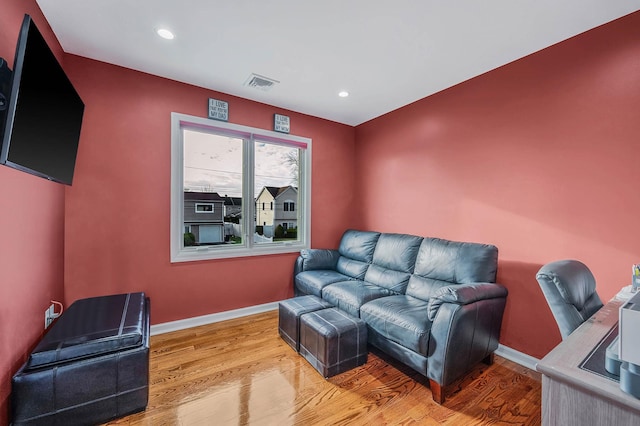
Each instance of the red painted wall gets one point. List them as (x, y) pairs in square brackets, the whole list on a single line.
[(118, 209), (539, 157), (535, 157), (32, 229)]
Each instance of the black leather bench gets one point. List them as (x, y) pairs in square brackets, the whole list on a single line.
[(289, 313), (333, 341), (91, 367)]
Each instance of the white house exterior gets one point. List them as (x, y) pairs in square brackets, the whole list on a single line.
[(277, 206)]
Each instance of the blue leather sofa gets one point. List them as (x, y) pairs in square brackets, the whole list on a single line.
[(433, 304)]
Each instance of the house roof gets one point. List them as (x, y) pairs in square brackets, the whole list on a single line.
[(232, 201), (277, 190), (202, 196), (274, 190)]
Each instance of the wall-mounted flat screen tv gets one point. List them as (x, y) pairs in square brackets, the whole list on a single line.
[(42, 111)]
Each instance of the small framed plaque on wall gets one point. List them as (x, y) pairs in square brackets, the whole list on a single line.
[(280, 123), (218, 110)]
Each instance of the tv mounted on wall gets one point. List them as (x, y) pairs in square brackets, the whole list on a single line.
[(40, 111)]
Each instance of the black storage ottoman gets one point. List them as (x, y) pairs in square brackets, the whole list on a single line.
[(333, 341), (289, 312), (91, 367)]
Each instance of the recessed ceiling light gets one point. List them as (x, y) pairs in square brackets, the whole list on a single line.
[(343, 94), (165, 33)]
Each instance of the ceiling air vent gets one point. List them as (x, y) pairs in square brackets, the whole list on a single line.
[(260, 82)]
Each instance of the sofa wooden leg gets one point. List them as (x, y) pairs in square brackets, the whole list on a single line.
[(436, 391), (489, 359)]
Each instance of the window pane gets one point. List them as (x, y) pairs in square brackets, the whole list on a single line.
[(226, 189), (276, 181), (212, 182), (204, 208)]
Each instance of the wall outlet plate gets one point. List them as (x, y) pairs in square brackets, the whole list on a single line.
[(49, 316)]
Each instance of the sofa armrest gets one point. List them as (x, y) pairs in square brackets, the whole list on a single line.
[(463, 294), (314, 259), (466, 328)]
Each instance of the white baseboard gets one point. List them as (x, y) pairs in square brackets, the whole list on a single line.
[(503, 351), (211, 318), (517, 357)]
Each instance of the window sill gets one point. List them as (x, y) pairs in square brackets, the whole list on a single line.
[(193, 254)]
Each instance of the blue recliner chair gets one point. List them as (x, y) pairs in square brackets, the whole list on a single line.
[(570, 290)]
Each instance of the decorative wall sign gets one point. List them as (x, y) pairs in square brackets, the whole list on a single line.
[(218, 110), (280, 123)]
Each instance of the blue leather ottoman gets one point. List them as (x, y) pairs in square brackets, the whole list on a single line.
[(91, 367), (333, 341), (289, 312)]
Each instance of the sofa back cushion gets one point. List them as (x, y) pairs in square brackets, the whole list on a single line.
[(441, 262), (356, 252), (393, 261)]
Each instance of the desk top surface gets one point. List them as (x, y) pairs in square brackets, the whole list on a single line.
[(563, 362)]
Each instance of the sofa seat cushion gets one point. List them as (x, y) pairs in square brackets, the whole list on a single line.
[(401, 319), (350, 295), (312, 282)]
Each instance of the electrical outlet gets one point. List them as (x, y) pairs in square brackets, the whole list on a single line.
[(49, 316)]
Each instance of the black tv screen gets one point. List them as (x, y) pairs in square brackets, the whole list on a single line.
[(41, 128)]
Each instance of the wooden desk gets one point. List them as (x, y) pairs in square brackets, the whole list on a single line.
[(573, 396)]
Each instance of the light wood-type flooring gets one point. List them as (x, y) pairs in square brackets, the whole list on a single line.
[(239, 372)]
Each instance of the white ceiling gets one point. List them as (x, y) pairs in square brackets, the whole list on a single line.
[(386, 54)]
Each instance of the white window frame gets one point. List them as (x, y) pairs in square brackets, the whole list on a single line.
[(205, 204), (179, 253)]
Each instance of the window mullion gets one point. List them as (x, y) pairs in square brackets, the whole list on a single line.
[(304, 193), (248, 180)]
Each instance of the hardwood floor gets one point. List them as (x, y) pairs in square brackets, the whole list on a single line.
[(240, 372)]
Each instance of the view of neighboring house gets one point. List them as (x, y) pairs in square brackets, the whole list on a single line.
[(205, 213), (232, 207), (277, 206), (204, 216)]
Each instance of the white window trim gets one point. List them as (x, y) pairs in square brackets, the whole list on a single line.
[(248, 248)]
